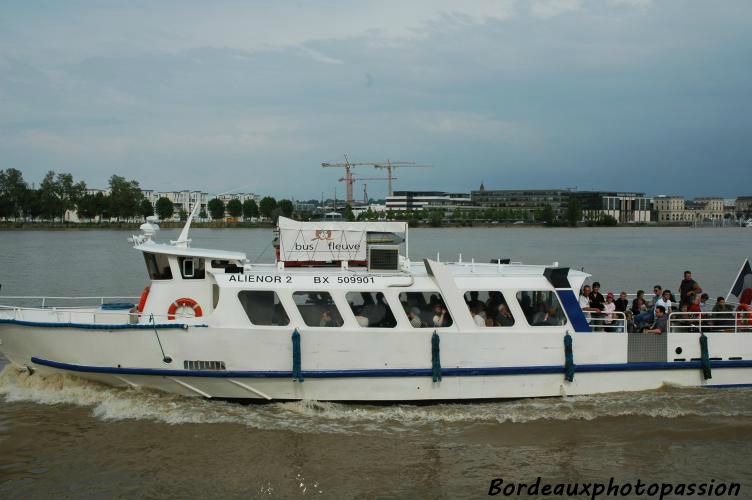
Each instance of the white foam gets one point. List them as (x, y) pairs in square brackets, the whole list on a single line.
[(109, 403)]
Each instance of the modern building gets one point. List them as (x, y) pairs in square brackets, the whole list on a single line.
[(426, 200), (181, 200), (527, 200), (626, 208)]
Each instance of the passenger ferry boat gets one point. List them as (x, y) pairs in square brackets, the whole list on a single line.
[(344, 315)]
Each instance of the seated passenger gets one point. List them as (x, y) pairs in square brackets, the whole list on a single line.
[(504, 318), (609, 309), (326, 319), (661, 321), (414, 316), (477, 312), (441, 316)]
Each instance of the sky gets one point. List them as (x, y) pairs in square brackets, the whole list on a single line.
[(242, 96)]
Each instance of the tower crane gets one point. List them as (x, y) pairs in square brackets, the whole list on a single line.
[(348, 179), (389, 165), (353, 180)]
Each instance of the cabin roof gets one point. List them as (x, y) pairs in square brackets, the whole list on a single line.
[(207, 253), (335, 225)]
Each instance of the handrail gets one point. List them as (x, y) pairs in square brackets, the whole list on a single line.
[(727, 321), (66, 315), (45, 298), (615, 322)]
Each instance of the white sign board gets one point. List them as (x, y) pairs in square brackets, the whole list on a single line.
[(321, 245)]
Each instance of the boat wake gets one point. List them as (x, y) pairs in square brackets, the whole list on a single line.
[(114, 404)]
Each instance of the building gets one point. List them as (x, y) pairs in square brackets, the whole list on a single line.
[(529, 200), (671, 209), (626, 208), (706, 209), (181, 200), (744, 207), (426, 200)]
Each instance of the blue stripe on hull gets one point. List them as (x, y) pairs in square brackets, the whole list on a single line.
[(91, 326), (394, 372)]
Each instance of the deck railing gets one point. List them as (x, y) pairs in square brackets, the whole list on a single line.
[(44, 301), (730, 322), (603, 322)]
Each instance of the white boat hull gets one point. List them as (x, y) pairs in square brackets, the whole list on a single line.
[(367, 366)]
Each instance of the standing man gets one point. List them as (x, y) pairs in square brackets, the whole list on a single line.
[(688, 285)]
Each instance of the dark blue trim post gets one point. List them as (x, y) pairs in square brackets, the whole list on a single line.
[(435, 357), (568, 358), (705, 357), (572, 307), (297, 373)]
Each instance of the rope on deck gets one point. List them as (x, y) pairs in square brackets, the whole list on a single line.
[(297, 373), (568, 358)]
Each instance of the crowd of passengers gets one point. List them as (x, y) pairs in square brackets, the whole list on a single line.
[(650, 315)]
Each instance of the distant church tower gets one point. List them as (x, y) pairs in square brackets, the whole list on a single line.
[(482, 187)]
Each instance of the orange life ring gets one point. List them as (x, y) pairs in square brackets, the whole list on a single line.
[(142, 300), (184, 302)]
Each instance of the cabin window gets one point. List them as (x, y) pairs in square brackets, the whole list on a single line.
[(371, 309), (489, 308), (425, 309), (263, 308), (219, 264), (541, 308), (158, 266), (191, 268), (317, 309)]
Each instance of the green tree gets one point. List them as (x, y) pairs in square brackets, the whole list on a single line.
[(286, 207), (216, 209), (87, 208), (146, 209), (70, 192), (436, 218), (347, 213), (165, 208), (50, 197), (250, 209), (183, 214), (102, 205), (547, 214), (13, 192), (267, 206), (574, 212), (234, 208), (125, 197)]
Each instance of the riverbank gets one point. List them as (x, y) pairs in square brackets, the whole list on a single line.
[(133, 226)]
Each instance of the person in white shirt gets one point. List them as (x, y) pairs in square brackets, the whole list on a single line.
[(609, 309), (665, 301)]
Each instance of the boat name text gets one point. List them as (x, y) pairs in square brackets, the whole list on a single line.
[(267, 278)]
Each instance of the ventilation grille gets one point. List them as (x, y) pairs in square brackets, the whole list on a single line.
[(383, 258), (204, 365)]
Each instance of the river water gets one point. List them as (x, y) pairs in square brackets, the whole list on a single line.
[(62, 437)]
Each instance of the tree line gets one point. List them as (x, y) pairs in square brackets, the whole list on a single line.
[(59, 193)]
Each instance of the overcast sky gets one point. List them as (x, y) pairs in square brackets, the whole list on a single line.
[(642, 95)]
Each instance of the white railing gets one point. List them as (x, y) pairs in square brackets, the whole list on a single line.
[(603, 322), (88, 316), (731, 322), (43, 300)]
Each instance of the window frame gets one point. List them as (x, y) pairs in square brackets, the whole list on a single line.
[(390, 309), (506, 302), (279, 302), (431, 291), (564, 317)]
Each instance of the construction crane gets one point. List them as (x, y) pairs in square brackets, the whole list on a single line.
[(348, 165), (389, 165), (353, 180)]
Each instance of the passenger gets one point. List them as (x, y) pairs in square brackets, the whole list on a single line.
[(648, 315), (414, 316), (326, 319), (695, 306), (661, 321), (584, 299), (704, 301), (441, 315), (474, 300), (540, 317), (622, 303), (667, 301), (495, 299), (638, 307), (686, 286), (504, 317), (722, 321), (609, 309), (476, 311), (598, 304)]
